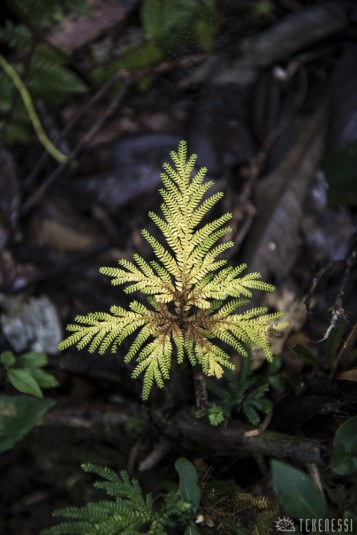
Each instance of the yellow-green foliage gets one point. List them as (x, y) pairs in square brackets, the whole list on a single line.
[(192, 295)]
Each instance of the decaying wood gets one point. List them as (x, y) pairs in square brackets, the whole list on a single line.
[(198, 437)]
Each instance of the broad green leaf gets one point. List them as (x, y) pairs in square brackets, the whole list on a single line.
[(22, 380), (44, 379), (303, 353), (297, 493), (188, 487), (7, 359), (18, 415), (344, 452), (32, 359)]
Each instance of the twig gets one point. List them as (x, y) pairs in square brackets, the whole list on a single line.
[(160, 449), (315, 282), (192, 435), (337, 309), (37, 196), (27, 100), (15, 94), (128, 80), (93, 100), (261, 428)]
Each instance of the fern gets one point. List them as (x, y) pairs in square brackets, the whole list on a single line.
[(175, 23), (50, 79), (168, 27), (233, 511), (191, 295), (246, 393), (47, 75), (127, 511), (161, 16), (16, 35)]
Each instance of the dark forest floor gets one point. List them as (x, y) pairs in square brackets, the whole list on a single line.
[(265, 94)]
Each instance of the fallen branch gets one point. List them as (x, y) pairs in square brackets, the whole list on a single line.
[(189, 434)]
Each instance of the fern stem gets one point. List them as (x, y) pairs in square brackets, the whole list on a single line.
[(34, 118)]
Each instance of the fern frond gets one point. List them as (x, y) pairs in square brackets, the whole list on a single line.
[(101, 330), (244, 392), (126, 512), (154, 361), (142, 278), (192, 294), (16, 35), (50, 78), (164, 21), (202, 210), (202, 234)]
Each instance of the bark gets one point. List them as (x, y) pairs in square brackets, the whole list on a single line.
[(188, 434)]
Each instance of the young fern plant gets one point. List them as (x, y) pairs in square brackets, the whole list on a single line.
[(191, 294), (125, 511)]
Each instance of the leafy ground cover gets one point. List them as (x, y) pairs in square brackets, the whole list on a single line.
[(265, 93)]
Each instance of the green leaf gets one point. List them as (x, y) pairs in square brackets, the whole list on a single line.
[(32, 359), (344, 452), (275, 365), (304, 354), (16, 132), (297, 493), (277, 382), (44, 379), (7, 359), (215, 414), (264, 8), (18, 415), (333, 342), (188, 488), (133, 59), (49, 78), (22, 380), (206, 25)]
